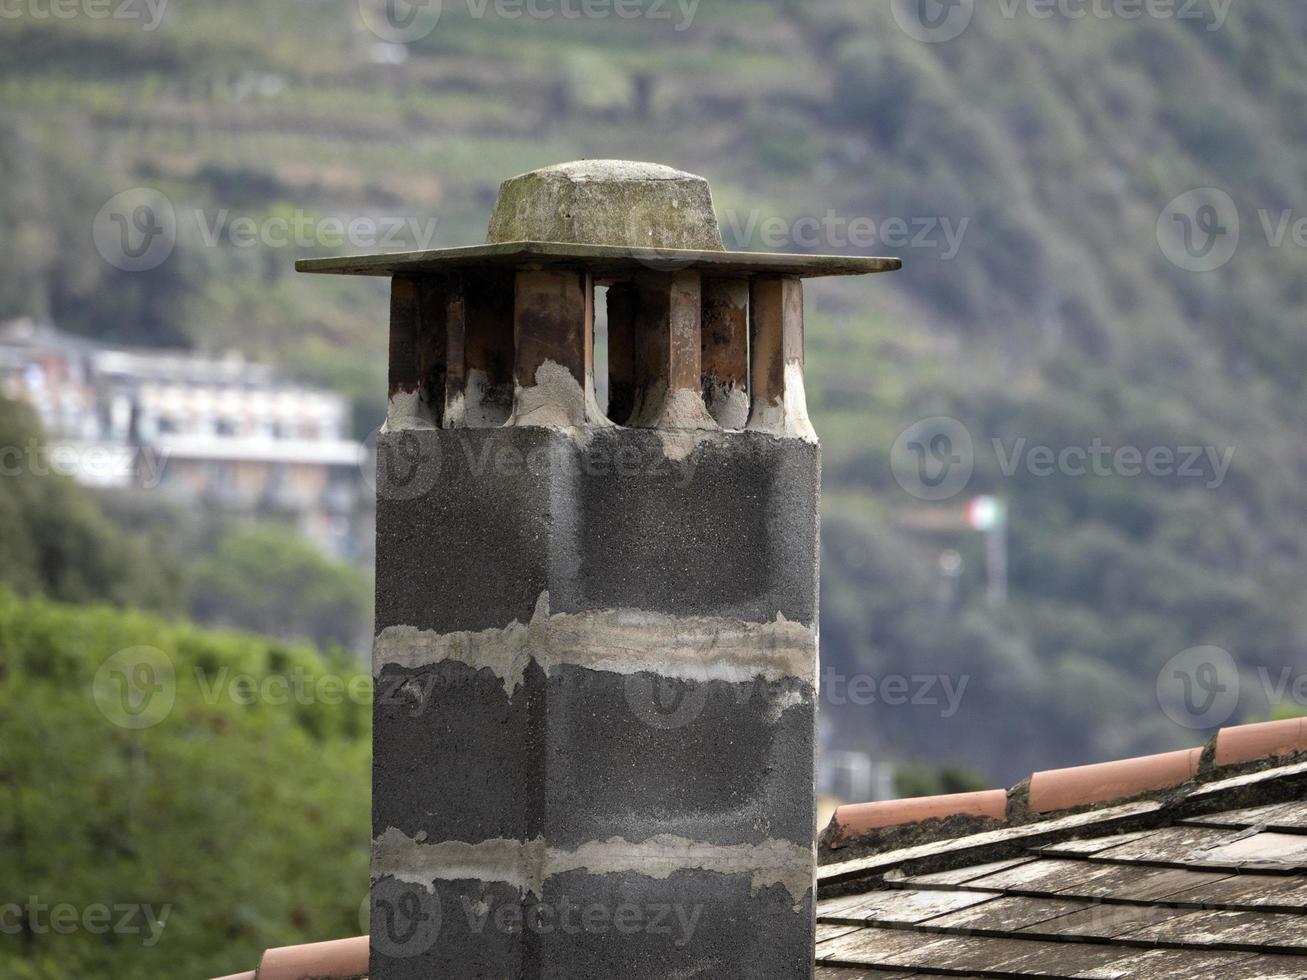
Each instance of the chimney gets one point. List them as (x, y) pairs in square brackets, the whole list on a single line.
[(596, 650)]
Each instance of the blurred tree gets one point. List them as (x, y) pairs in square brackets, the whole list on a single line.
[(269, 579), (238, 813), (58, 542)]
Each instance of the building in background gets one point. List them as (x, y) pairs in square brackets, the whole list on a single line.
[(221, 432)]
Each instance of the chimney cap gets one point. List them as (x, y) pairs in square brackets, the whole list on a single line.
[(607, 202), (615, 217)]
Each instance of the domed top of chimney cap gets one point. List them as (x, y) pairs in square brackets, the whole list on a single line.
[(620, 203)]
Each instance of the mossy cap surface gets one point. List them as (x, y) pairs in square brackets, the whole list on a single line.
[(607, 202)]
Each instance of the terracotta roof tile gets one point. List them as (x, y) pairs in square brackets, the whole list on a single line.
[(1189, 884), (1065, 789), (1252, 743), (864, 825), (339, 959), (1049, 792), (860, 818)]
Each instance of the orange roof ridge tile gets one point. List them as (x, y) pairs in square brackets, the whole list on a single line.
[(1255, 743), (1105, 782), (337, 959), (857, 819), (1057, 790)]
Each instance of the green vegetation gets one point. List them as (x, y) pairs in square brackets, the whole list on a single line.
[(57, 541), (270, 580), (239, 815), (917, 780), (1058, 322), (131, 550)]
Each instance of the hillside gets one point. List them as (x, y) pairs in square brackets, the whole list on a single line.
[(1050, 146)]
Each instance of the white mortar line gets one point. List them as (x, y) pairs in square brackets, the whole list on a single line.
[(617, 641)]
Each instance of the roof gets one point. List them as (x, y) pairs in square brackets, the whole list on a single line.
[(1189, 864), (341, 959), (603, 260)]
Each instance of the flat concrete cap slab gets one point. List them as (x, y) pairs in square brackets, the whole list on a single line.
[(615, 218), (602, 260)]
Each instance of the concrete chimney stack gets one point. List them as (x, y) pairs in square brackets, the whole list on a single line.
[(596, 650)]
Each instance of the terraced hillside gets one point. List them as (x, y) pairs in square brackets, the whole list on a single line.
[(1030, 162)]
